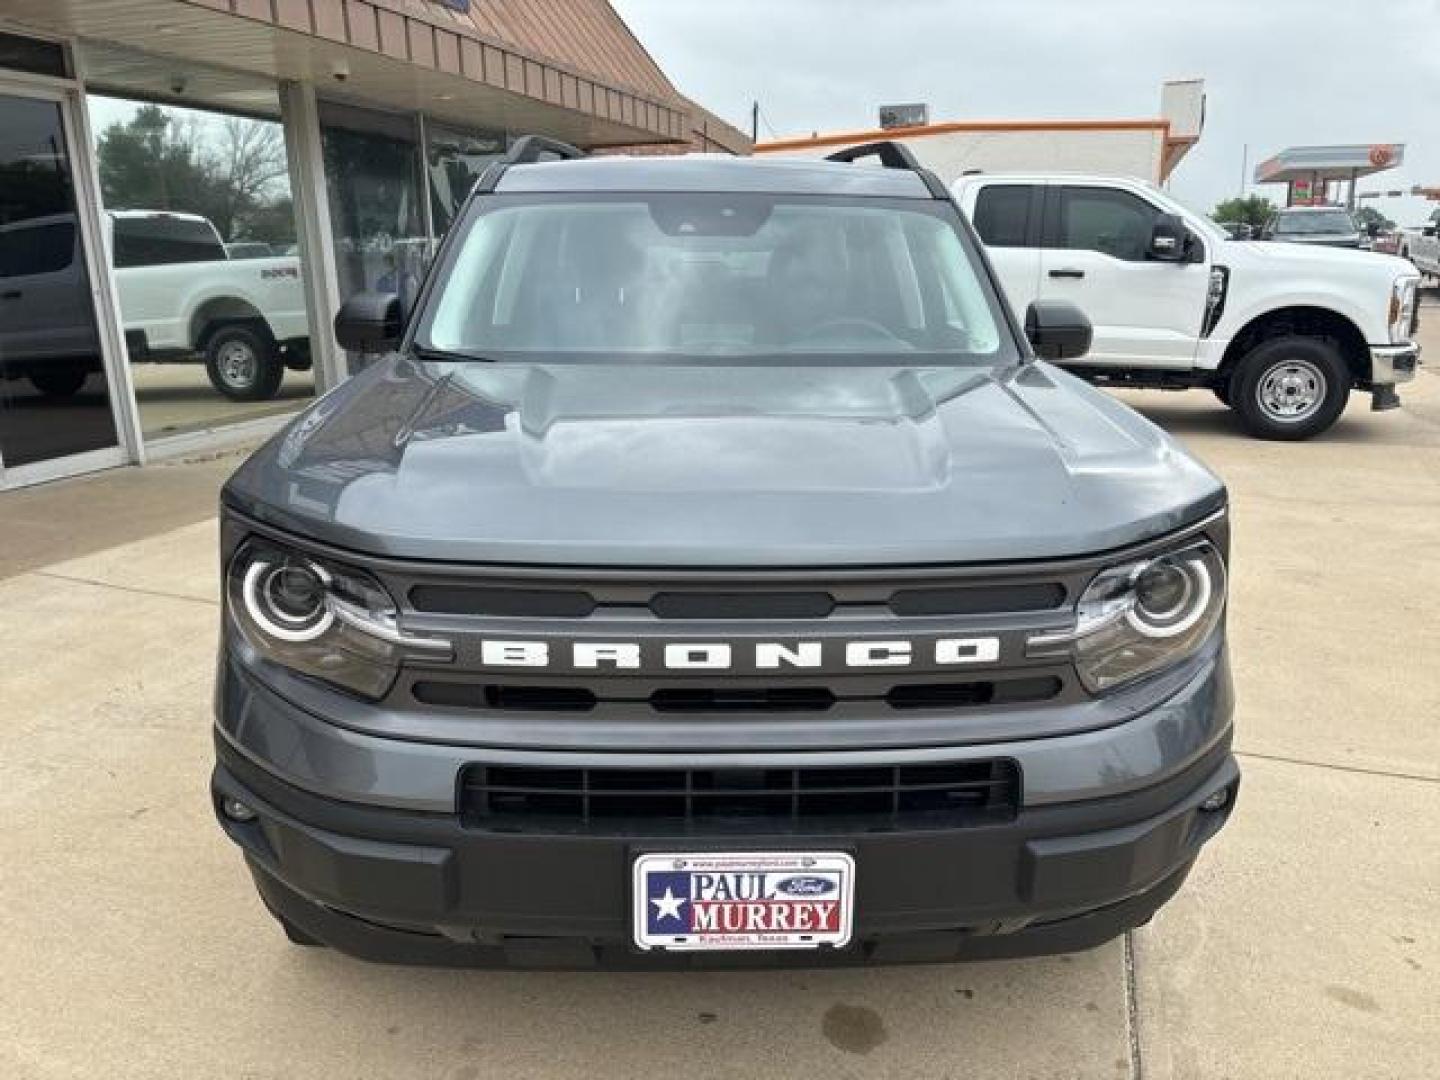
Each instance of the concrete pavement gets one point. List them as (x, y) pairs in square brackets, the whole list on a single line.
[(1307, 943)]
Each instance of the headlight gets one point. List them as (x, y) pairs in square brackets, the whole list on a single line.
[(1142, 616), (320, 618), (1402, 309)]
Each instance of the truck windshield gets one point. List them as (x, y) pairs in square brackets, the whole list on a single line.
[(694, 275), (1314, 222)]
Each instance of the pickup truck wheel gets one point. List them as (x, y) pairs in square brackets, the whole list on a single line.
[(1222, 391), (64, 383), (1290, 387), (242, 364)]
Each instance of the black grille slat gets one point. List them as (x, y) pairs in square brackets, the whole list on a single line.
[(978, 599), (747, 605), (993, 692), (459, 695), (736, 699), (668, 801), (521, 603)]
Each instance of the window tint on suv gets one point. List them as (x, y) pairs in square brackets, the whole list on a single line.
[(164, 238), (40, 248), (1113, 222), (1002, 214)]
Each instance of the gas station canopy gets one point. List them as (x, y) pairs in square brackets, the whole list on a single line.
[(1308, 171), (1329, 163)]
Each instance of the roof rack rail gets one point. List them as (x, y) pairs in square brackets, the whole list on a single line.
[(531, 148), (893, 155)]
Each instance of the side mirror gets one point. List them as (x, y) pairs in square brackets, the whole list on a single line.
[(369, 322), (1057, 330), (1428, 230), (1168, 238)]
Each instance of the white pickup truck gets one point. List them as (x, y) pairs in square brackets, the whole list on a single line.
[(181, 298), (181, 295), (1422, 246), (1281, 333)]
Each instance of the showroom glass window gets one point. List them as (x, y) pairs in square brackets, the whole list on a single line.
[(54, 396), (454, 161), (376, 191), (211, 340)]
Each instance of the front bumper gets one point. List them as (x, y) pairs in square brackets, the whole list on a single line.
[(1393, 364), (400, 884)]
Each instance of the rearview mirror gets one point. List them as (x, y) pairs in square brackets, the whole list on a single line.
[(1168, 238), (370, 322), (1057, 330)]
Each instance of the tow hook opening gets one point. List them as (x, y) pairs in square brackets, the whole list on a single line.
[(236, 810), (1216, 801), (1384, 398)]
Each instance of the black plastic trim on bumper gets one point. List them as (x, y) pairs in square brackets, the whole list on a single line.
[(403, 886), (380, 944)]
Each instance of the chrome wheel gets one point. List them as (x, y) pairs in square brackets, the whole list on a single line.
[(1291, 391), (237, 364)]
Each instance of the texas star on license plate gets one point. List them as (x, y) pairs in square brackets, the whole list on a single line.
[(765, 900)]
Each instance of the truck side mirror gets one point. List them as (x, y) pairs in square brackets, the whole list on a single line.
[(1168, 239), (1057, 330), (1428, 230), (369, 322)]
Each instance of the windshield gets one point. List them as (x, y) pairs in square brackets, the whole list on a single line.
[(690, 276), (1312, 222)]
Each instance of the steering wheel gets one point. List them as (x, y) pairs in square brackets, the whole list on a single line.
[(869, 327)]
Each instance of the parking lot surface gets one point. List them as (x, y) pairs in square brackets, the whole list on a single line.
[(1306, 944)]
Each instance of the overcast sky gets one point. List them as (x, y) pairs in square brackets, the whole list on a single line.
[(1278, 73)]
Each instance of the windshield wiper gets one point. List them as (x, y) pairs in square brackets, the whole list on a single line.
[(449, 356)]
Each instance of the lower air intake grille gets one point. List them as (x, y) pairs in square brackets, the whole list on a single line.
[(539, 799)]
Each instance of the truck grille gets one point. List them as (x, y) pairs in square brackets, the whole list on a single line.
[(734, 614), (938, 795)]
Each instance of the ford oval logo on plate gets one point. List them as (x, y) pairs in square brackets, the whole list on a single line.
[(805, 886)]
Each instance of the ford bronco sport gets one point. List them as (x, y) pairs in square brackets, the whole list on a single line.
[(711, 574)]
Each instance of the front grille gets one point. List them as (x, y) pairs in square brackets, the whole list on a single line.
[(780, 640), (870, 798)]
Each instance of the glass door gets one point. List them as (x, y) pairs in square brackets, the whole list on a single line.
[(54, 393), (377, 209)]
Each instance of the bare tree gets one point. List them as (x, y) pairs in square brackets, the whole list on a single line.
[(247, 161)]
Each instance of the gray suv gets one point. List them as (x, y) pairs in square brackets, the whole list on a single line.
[(711, 574)]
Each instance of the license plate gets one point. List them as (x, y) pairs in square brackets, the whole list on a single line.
[(691, 901)]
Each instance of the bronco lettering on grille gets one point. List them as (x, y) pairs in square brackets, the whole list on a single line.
[(725, 656)]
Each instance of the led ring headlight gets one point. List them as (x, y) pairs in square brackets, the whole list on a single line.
[(1185, 612), (263, 605), (1140, 617)]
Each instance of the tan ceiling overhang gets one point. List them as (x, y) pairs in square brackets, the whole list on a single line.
[(406, 54)]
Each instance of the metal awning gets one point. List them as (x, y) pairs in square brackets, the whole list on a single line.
[(396, 54), (1319, 164)]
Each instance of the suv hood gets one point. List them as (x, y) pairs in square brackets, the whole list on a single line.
[(644, 465)]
